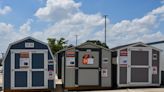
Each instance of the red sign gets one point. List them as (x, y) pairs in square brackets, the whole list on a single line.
[(70, 54), (124, 53)]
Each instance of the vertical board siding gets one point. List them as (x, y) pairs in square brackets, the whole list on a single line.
[(37, 61), (21, 45), (51, 84), (50, 67), (37, 78), (21, 79), (155, 78), (123, 75), (139, 75), (139, 57), (7, 70), (17, 61)]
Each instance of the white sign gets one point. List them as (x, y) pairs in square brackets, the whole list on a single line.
[(154, 70), (90, 60), (51, 75), (104, 72), (70, 61), (123, 60), (24, 62), (29, 45)]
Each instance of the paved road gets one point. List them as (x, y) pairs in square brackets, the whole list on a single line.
[(133, 90)]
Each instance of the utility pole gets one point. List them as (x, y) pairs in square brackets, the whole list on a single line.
[(105, 28), (76, 38)]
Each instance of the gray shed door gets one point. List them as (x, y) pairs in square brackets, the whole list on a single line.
[(89, 66), (28, 69), (139, 67)]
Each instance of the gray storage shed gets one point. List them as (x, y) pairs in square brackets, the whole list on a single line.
[(86, 66), (135, 64), (28, 65)]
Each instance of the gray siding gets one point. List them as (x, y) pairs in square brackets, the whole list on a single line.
[(88, 77), (106, 81), (69, 75)]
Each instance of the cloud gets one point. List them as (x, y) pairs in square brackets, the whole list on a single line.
[(6, 27), (139, 29), (56, 10), (26, 27), (162, 1), (87, 26), (5, 10)]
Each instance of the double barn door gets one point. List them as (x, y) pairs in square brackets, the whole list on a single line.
[(29, 69), (139, 69)]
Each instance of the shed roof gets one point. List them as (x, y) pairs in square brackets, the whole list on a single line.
[(26, 38), (132, 44), (85, 43), (157, 42)]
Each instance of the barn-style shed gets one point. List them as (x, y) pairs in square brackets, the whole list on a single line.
[(87, 66), (135, 64), (28, 65)]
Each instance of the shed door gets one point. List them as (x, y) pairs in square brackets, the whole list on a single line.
[(29, 69), (88, 67), (139, 67)]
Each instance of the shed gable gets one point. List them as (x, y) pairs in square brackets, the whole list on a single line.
[(21, 45)]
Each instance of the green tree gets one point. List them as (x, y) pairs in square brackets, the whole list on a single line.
[(56, 45), (97, 42)]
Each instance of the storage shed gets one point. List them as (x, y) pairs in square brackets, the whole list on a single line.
[(160, 45), (87, 66), (135, 65), (28, 65)]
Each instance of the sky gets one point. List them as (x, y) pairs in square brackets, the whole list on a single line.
[(128, 21)]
